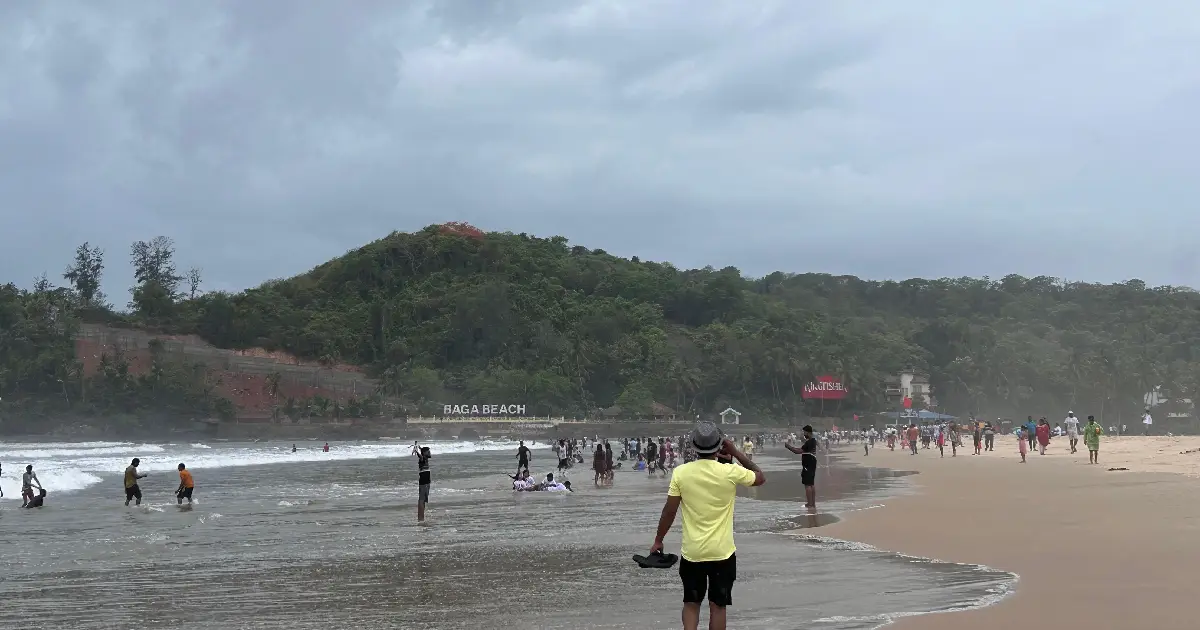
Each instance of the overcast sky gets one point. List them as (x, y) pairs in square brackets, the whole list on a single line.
[(881, 139)]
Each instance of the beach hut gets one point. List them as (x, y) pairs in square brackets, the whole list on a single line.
[(731, 416)]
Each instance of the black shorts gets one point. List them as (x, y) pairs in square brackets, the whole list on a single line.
[(186, 493), (564, 463), (715, 577), (522, 464), (808, 475), (133, 492), (423, 493)]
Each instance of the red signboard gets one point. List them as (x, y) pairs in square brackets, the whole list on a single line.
[(907, 402), (825, 388)]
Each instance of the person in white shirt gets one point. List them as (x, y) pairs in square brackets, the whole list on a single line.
[(1072, 426), (1146, 422)]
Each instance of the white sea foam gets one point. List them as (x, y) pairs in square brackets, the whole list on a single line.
[(996, 593), (69, 466)]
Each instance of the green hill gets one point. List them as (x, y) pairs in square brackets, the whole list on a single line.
[(448, 315), (442, 316)]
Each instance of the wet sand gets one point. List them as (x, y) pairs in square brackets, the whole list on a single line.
[(1093, 548)]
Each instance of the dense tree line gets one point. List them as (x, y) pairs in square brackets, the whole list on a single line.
[(41, 376), (453, 316)]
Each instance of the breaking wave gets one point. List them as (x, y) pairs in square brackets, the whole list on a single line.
[(70, 466)]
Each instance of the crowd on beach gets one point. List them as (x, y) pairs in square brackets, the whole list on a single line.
[(1030, 436), (652, 455)]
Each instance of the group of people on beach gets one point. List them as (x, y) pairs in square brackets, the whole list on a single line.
[(1040, 433), (1031, 435), (133, 490), (29, 481)]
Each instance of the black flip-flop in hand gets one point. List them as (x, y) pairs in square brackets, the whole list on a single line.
[(656, 560)]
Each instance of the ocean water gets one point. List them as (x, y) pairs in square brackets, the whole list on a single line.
[(321, 540)]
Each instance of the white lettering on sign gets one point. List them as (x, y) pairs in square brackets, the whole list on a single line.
[(483, 410), (824, 386)]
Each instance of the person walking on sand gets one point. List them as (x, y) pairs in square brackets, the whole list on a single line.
[(1071, 424), (1030, 431), (1043, 435), (977, 434), (1147, 421), (186, 485), (914, 434), (132, 490), (955, 439), (705, 490), (1022, 442), (1091, 439), (808, 465), (989, 437)]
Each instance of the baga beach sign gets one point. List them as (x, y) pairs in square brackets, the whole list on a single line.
[(483, 410)]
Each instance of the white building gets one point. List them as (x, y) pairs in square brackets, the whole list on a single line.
[(911, 384)]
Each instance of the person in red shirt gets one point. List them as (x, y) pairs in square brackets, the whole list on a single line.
[(1043, 435), (914, 434)]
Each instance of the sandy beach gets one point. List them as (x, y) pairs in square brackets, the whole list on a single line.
[(1094, 548)]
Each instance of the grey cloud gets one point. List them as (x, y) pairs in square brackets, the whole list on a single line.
[(891, 139)]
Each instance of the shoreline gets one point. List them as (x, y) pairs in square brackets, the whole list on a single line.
[(1111, 543)]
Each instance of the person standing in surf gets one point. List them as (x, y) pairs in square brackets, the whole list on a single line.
[(564, 455), (132, 490), (523, 454), (186, 485), (608, 462), (598, 465), (27, 483), (808, 465), (423, 481), (705, 489)]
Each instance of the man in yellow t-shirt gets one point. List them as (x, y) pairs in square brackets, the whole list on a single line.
[(705, 489)]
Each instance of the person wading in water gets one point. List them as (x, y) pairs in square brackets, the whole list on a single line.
[(705, 490), (808, 462)]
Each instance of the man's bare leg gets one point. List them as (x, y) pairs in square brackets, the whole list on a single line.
[(691, 616), (716, 617)]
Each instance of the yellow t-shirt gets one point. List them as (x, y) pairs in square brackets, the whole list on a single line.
[(707, 488)]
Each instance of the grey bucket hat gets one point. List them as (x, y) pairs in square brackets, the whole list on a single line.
[(706, 438)]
